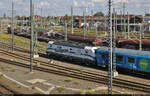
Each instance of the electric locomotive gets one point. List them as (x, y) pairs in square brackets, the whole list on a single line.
[(72, 51)]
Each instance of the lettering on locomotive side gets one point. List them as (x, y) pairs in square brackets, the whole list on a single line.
[(143, 64)]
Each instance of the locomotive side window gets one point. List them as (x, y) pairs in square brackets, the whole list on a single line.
[(50, 45), (131, 60), (120, 58)]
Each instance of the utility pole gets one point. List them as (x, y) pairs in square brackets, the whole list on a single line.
[(66, 30), (140, 43), (35, 47), (105, 25), (143, 35), (72, 20), (92, 17), (12, 26), (84, 26), (96, 30), (116, 22), (128, 26), (115, 73), (124, 21), (41, 18), (110, 49), (0, 24), (134, 24), (121, 22), (31, 40)]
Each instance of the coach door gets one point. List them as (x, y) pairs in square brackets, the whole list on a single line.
[(131, 63), (104, 58)]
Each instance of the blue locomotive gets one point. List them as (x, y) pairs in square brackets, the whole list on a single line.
[(125, 58)]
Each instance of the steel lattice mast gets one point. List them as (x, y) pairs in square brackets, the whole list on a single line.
[(110, 49), (31, 40), (12, 26)]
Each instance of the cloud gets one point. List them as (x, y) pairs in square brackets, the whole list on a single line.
[(119, 1), (2, 5), (44, 4), (75, 3), (20, 2), (98, 0)]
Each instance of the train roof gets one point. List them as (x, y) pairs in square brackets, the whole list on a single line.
[(41, 30), (70, 44), (128, 51)]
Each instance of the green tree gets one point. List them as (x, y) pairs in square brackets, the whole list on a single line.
[(4, 15), (99, 14), (67, 18), (147, 14), (18, 17)]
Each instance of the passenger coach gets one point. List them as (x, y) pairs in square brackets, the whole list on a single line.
[(125, 58)]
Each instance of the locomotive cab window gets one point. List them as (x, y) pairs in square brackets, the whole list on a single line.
[(120, 58), (131, 60)]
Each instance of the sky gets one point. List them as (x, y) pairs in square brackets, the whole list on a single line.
[(62, 7)]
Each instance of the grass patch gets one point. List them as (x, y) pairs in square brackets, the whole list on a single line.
[(68, 79), (38, 92), (105, 92), (90, 92), (89, 88), (26, 44), (1, 75), (61, 88), (126, 93), (79, 92), (50, 79), (4, 68), (18, 86), (33, 87), (76, 82), (13, 69)]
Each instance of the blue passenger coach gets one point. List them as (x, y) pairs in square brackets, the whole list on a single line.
[(125, 58)]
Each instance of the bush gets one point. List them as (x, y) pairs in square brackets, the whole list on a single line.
[(61, 88), (68, 79)]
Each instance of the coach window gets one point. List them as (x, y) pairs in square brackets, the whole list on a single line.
[(131, 60), (103, 56), (120, 58)]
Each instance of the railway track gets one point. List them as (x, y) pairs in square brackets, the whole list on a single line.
[(75, 73), (6, 90)]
